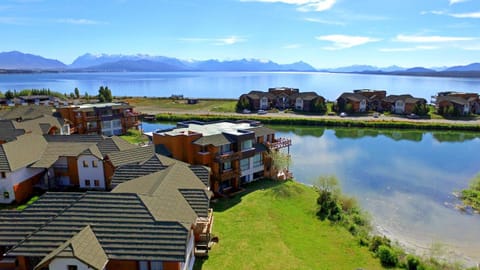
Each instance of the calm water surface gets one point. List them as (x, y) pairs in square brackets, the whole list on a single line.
[(404, 179), (232, 84)]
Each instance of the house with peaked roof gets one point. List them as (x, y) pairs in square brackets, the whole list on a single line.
[(236, 152), (281, 98), (351, 103), (457, 103), (374, 98), (403, 104), (155, 221), (17, 177)]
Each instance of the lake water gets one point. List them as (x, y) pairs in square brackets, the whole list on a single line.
[(232, 84), (403, 178)]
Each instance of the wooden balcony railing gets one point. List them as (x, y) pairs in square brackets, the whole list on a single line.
[(228, 156), (279, 143)]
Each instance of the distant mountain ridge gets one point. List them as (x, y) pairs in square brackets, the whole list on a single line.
[(15, 61)]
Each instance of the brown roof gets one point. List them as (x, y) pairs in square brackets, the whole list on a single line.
[(22, 152)]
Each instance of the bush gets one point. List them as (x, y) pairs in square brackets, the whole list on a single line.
[(413, 263), (378, 241), (387, 256)]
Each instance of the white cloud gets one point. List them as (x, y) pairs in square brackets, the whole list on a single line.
[(292, 46), (304, 5), (345, 42), (430, 39), (215, 41), (471, 15), (409, 49), (79, 21), (315, 20), (453, 2)]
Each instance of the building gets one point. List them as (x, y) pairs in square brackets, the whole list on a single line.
[(457, 103), (155, 221), (55, 162), (236, 152), (404, 104), (374, 98), (282, 98), (100, 118), (351, 103)]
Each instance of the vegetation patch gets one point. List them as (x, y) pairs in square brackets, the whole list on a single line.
[(134, 136), (471, 196), (273, 225)]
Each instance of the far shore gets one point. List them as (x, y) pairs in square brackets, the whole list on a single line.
[(222, 109)]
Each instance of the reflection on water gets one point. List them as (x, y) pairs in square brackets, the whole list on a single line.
[(405, 179)]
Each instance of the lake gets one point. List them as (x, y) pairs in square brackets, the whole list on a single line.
[(403, 178), (232, 84)]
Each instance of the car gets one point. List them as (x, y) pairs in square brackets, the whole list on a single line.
[(413, 116), (261, 112), (343, 114), (376, 115), (246, 111)]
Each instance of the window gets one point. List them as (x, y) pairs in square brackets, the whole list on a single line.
[(225, 148), (96, 182), (87, 182), (257, 160), (244, 164), (4, 175), (6, 195), (247, 144), (94, 163), (72, 267), (156, 265), (85, 164), (227, 165)]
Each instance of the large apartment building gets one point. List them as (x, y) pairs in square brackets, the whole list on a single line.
[(100, 118), (236, 152)]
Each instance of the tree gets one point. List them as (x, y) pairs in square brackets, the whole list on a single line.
[(328, 199), (9, 94), (243, 103), (104, 94), (387, 256), (280, 160), (77, 92), (86, 96)]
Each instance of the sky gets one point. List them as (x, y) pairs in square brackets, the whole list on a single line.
[(323, 33)]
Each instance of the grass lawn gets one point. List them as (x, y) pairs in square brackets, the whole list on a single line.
[(214, 105), (134, 136), (274, 226)]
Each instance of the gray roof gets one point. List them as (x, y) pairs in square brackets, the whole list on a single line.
[(84, 246), (262, 131), (215, 140), (352, 96), (202, 172), (406, 98), (40, 125), (25, 112), (123, 223), (8, 132), (453, 99), (24, 151), (131, 171), (55, 150), (106, 145), (132, 155)]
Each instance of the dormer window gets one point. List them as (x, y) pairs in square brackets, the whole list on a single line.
[(248, 144)]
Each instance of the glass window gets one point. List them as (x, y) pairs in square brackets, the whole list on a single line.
[(87, 182), (248, 144), (227, 165), (257, 160), (156, 265), (94, 163), (244, 164), (72, 267), (4, 175), (85, 164), (96, 182), (225, 148)]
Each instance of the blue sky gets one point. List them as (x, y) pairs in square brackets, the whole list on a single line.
[(324, 33)]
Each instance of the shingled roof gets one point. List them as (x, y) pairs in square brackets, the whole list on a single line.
[(40, 125), (132, 155), (8, 132), (26, 112), (23, 151), (352, 96)]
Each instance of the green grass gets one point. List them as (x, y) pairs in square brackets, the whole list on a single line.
[(134, 136), (214, 105), (274, 226), (23, 206)]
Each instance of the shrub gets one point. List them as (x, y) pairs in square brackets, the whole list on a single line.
[(413, 263), (378, 241), (387, 256)]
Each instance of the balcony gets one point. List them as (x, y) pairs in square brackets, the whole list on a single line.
[(228, 156), (225, 175), (279, 143)]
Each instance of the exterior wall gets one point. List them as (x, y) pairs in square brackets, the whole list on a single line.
[(409, 107), (399, 106), (109, 170), (13, 181), (63, 263), (23, 263), (73, 171), (112, 127), (90, 173), (190, 257), (299, 104), (121, 265)]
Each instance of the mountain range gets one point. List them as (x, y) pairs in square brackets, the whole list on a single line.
[(18, 61)]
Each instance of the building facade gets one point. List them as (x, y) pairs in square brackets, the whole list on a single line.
[(100, 118), (236, 152)]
